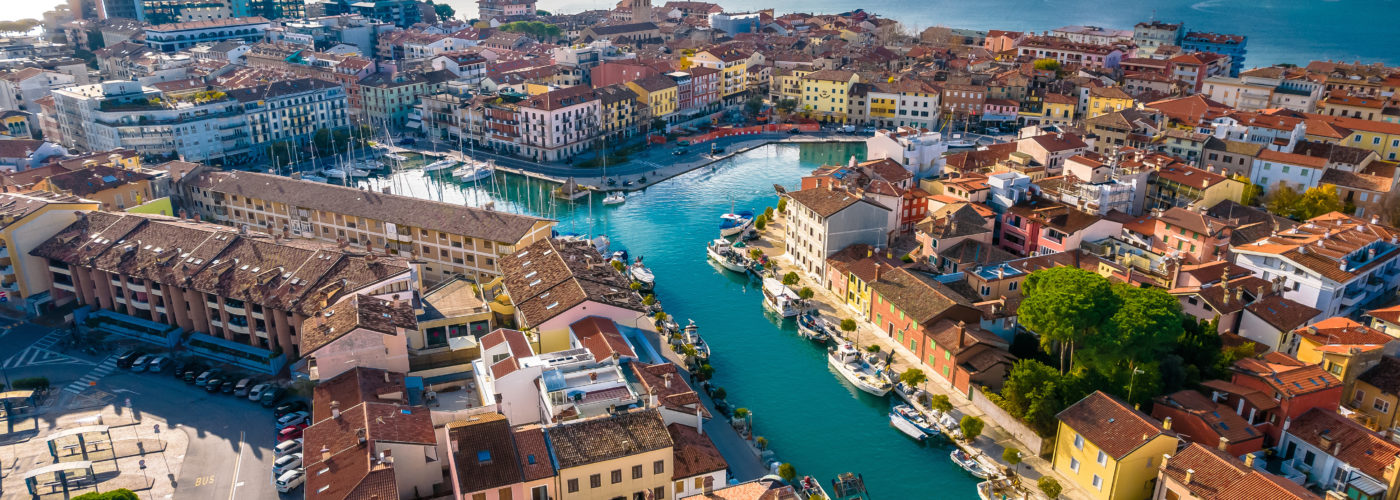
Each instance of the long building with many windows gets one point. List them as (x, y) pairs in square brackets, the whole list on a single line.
[(451, 239), (291, 110), (245, 288)]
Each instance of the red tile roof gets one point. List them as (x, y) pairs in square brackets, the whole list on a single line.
[(1110, 424), (1215, 475), (1345, 440), (600, 336)]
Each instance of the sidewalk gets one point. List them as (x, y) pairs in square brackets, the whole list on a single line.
[(743, 458), (993, 441)]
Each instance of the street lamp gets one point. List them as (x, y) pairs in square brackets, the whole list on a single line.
[(1132, 381)]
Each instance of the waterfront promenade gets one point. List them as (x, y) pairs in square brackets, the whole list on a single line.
[(993, 440)]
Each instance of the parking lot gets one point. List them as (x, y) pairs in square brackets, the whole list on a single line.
[(215, 445)]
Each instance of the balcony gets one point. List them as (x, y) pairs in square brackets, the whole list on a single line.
[(60, 270), (1353, 297), (140, 304), (136, 287), (236, 328), (6, 270), (4, 252), (238, 310), (64, 286)]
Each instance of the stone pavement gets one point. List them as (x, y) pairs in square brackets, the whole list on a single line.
[(993, 440), (117, 464)]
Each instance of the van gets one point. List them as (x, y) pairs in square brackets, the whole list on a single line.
[(290, 480), (241, 388), (158, 365), (255, 394), (139, 365)]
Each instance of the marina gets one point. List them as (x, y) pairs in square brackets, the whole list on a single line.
[(762, 362)]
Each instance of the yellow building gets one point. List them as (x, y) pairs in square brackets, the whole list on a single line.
[(15, 124), (824, 94), (1381, 137), (618, 106), (1058, 109), (1110, 450), (27, 220), (787, 84), (627, 455), (733, 64), (1375, 397), (1343, 347), (1355, 106), (115, 188), (1105, 100), (658, 92)]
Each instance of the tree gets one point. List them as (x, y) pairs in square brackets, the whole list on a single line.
[(782, 205), (20, 26), (444, 11), (791, 278), (1252, 191), (1282, 201), (760, 222), (1065, 305), (1049, 486), (1143, 328), (787, 472), (848, 325), (1011, 456), (768, 212), (787, 106), (718, 394), (756, 254), (121, 494), (1320, 200), (649, 299), (32, 383), (618, 265), (704, 372), (940, 402), (971, 427), (806, 293), (913, 377), (1047, 65), (542, 13), (762, 442), (753, 104), (1032, 393)]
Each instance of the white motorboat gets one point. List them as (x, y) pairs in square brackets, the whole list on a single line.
[(905, 426), (970, 464), (615, 198), (912, 415), (641, 274), (440, 165), (333, 173), (780, 299), (852, 366), (473, 172), (314, 178), (734, 223), (692, 337), (396, 157), (722, 251), (813, 327), (810, 488)]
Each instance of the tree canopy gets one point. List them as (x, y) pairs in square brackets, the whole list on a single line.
[(536, 29), (1065, 305), (1288, 202)]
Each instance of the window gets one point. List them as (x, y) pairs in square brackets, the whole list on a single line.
[(595, 481), (1103, 458), (1098, 482), (636, 472), (617, 476), (1074, 464), (658, 467), (573, 485), (1357, 397), (1078, 442), (1381, 405), (1309, 458)]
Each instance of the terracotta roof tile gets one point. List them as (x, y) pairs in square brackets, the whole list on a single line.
[(1110, 424), (584, 442)]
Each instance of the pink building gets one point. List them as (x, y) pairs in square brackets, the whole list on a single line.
[(613, 73), (1044, 227), (704, 87)]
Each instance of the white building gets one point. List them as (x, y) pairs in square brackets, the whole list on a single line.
[(361, 331), (290, 110), (1272, 169), (1265, 88), (1324, 448), (825, 221), (116, 114), (920, 152), (557, 125), (177, 36), (581, 382), (19, 88), (1332, 263)]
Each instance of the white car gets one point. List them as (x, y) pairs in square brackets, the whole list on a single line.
[(140, 364), (287, 447), (256, 391), (286, 463), (290, 480), (293, 418)]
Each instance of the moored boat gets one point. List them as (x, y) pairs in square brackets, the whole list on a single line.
[(918, 420), (314, 178), (443, 164), (691, 334), (852, 366), (849, 486), (472, 172), (969, 464), (810, 488), (903, 425), (722, 251), (641, 274), (812, 326), (734, 223), (780, 299)]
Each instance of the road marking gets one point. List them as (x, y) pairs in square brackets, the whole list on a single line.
[(237, 464), (107, 366)]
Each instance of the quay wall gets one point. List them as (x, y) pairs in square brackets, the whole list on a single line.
[(1023, 434)]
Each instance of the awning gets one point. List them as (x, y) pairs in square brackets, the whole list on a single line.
[(1369, 486)]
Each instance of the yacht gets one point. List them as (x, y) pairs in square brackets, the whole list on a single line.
[(692, 337), (851, 364), (812, 326), (780, 299), (905, 426), (734, 223), (912, 415), (722, 251), (440, 165), (615, 198), (641, 274), (969, 463), (472, 172)]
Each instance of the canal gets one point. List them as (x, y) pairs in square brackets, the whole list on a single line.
[(810, 416)]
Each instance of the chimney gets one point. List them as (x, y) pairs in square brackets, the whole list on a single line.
[(1249, 460), (335, 409), (360, 435), (1189, 473), (668, 381), (1224, 444), (877, 270), (962, 331), (1167, 424), (699, 419)]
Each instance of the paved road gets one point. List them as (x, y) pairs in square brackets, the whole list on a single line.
[(230, 439)]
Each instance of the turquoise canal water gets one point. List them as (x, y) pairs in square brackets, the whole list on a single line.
[(810, 416)]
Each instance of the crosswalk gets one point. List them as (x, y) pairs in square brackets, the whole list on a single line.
[(107, 366), (41, 353)]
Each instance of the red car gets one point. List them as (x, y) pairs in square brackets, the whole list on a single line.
[(290, 432)]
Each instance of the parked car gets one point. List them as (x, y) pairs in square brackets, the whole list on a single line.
[(255, 394), (290, 480), (289, 407), (157, 365), (794, 130), (293, 418), (271, 396), (286, 447), (204, 378), (290, 432), (214, 383), (679, 152), (126, 358), (286, 463), (227, 386), (139, 365), (241, 388)]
